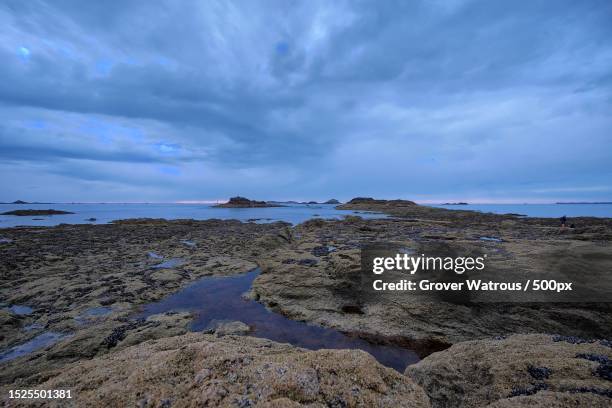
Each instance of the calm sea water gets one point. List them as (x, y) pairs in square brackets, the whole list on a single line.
[(293, 213), (104, 213), (539, 210)]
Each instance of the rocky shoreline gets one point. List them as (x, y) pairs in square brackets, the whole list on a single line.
[(85, 281)]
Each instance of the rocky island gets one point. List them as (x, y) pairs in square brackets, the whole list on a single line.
[(242, 202), (84, 285), (26, 213), (369, 203)]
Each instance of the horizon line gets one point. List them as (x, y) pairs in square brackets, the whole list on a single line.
[(420, 202)]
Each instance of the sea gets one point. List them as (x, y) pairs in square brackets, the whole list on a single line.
[(105, 213), (101, 213), (539, 210)]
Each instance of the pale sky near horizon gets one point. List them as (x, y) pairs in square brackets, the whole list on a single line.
[(480, 101)]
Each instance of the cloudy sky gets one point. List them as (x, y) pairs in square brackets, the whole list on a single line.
[(490, 101)]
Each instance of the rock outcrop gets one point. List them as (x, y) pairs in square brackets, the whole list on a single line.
[(202, 370), (315, 278), (521, 370)]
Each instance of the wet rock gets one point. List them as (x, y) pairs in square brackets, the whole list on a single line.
[(307, 262), (571, 339), (592, 390), (594, 357), (9, 320), (119, 333), (539, 373), (322, 250), (319, 251), (228, 328), (528, 390), (604, 371), (353, 309)]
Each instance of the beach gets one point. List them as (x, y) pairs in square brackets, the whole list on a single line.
[(83, 288)]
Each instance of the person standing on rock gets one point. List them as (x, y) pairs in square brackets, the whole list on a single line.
[(563, 221)]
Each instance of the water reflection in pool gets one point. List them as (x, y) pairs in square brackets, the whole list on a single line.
[(220, 298)]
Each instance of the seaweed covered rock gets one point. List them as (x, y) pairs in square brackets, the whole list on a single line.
[(521, 370), (202, 370)]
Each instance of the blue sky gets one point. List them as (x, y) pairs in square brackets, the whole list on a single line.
[(483, 101)]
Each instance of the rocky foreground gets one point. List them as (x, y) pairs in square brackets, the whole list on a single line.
[(473, 354)]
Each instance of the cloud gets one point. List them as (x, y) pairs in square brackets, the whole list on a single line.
[(306, 99)]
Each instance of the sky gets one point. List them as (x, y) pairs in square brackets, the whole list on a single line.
[(434, 101)]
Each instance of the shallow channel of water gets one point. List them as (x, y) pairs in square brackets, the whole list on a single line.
[(41, 341), (220, 298)]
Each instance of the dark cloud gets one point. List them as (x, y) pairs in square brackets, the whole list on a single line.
[(442, 99)]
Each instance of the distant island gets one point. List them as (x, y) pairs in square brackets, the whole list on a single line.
[(585, 202), (242, 202), (459, 203), (332, 201), (24, 202), (370, 204), (26, 213)]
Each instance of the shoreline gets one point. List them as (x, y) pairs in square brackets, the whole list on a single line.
[(65, 272)]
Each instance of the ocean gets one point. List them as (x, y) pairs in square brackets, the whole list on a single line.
[(539, 210), (105, 213), (292, 213)]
